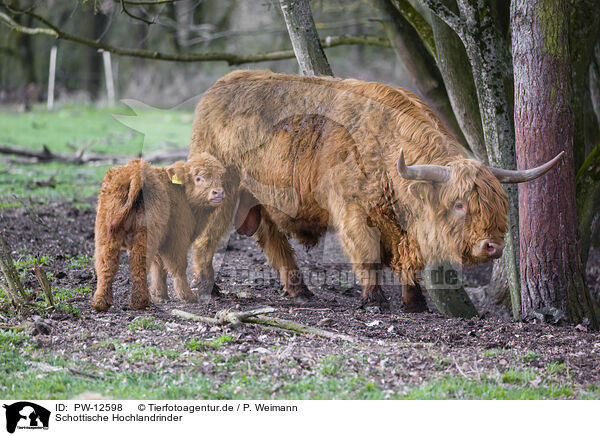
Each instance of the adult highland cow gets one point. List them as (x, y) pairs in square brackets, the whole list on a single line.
[(304, 153)]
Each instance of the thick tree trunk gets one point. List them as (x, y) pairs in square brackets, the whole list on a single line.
[(552, 274), (305, 39)]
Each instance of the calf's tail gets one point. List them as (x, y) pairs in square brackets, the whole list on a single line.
[(136, 185)]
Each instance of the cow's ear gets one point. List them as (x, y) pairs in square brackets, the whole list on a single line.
[(177, 173), (422, 191)]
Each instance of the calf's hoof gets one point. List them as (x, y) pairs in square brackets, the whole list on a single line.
[(156, 299), (375, 298), (101, 304)]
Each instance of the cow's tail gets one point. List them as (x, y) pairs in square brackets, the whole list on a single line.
[(136, 185)]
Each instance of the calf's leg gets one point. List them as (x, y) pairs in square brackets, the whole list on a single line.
[(158, 281), (177, 267), (206, 244), (138, 256), (106, 263)]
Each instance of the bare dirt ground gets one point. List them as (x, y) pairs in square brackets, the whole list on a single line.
[(397, 350)]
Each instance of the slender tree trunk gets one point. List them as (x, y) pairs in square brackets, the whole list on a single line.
[(98, 24), (552, 274), (305, 39), (419, 64), (456, 70), (484, 43)]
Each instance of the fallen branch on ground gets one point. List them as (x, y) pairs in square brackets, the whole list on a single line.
[(82, 156), (255, 317)]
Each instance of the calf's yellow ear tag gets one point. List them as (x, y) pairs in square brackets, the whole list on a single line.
[(175, 180)]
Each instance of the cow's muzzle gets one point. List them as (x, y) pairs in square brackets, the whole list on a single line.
[(488, 249)]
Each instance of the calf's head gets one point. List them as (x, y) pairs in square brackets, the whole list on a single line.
[(202, 179), (461, 208)]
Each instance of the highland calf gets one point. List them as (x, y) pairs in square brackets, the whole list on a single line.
[(307, 153), (155, 213)]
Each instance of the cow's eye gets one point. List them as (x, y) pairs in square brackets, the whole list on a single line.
[(460, 206), (199, 179)]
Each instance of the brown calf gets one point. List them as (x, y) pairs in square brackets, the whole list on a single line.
[(155, 213)]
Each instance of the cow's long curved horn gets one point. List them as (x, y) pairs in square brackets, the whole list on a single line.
[(432, 173), (520, 176)]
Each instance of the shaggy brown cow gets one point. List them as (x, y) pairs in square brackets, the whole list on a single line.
[(155, 213), (310, 152)]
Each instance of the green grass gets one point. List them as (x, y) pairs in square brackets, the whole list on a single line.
[(245, 376), (196, 344), (76, 127), (146, 323), (82, 261)]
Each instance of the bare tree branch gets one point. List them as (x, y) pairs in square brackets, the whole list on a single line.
[(28, 30), (417, 21), (135, 17), (450, 18), (230, 58)]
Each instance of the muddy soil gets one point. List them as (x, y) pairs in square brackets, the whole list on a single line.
[(246, 281)]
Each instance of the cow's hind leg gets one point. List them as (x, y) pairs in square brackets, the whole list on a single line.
[(362, 244), (106, 262), (280, 253)]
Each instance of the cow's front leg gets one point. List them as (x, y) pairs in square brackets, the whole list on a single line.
[(280, 253), (362, 244), (413, 299)]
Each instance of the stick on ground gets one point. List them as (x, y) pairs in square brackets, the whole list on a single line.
[(42, 278), (255, 317)]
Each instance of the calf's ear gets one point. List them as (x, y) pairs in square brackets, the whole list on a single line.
[(177, 173)]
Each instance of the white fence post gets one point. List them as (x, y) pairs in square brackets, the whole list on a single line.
[(51, 78), (108, 77)]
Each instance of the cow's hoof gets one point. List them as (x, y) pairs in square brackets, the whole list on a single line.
[(206, 287), (215, 292), (415, 305), (140, 304), (299, 292), (375, 298)]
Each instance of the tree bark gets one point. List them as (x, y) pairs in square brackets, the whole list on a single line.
[(305, 39), (552, 274)]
